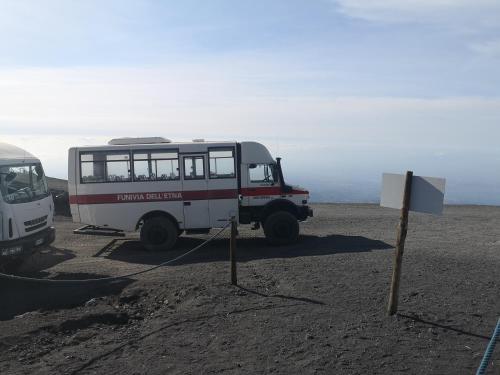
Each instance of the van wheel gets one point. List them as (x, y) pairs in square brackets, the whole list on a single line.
[(159, 233), (281, 228)]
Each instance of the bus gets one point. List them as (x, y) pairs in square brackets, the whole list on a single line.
[(26, 206), (164, 188)]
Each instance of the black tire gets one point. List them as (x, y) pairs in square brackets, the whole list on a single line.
[(281, 228), (159, 233)]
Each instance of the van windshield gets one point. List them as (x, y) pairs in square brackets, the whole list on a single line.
[(23, 183)]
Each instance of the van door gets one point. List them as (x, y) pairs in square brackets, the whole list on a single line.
[(195, 191)]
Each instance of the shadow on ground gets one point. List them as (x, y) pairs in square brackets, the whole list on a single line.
[(44, 259), (248, 249), (445, 327), (19, 297), (39, 259)]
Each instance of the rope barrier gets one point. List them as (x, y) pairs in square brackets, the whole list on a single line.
[(489, 351), (113, 278)]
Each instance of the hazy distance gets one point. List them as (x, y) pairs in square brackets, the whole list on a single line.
[(343, 90)]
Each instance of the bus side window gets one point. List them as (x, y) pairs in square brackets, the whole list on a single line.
[(165, 165), (142, 171), (92, 168), (222, 163), (156, 166), (193, 168), (117, 167)]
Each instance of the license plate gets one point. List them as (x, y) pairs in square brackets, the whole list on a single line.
[(39, 242)]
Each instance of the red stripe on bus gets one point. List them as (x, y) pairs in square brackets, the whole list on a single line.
[(153, 196), (171, 196), (269, 190)]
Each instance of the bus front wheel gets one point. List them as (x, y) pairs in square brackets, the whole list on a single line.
[(281, 228), (159, 233)]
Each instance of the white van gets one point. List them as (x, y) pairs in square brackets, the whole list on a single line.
[(26, 206), (166, 188)]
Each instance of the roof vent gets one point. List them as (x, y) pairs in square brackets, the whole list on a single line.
[(199, 140), (138, 141)]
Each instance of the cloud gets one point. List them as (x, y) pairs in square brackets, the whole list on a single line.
[(49, 110), (206, 102), (490, 48), (458, 15), (59, 108)]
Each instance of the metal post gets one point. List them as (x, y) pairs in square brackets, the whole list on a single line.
[(232, 251), (400, 246)]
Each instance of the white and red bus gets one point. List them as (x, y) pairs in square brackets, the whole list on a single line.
[(165, 188)]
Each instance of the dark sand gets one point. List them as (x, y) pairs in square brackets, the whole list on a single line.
[(317, 307)]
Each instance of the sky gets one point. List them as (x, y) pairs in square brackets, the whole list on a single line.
[(343, 90)]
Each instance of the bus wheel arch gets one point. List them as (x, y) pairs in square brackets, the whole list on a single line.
[(151, 214), (279, 205), (159, 230), (281, 228), (280, 222)]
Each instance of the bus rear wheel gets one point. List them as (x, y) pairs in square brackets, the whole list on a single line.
[(159, 233), (281, 228)]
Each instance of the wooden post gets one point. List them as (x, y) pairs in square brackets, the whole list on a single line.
[(400, 246), (232, 251)]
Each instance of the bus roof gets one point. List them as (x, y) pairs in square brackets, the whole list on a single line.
[(13, 154), (252, 152), (133, 145)]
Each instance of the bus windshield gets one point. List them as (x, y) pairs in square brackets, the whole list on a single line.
[(23, 183)]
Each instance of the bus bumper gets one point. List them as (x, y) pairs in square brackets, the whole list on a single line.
[(25, 246), (305, 212)]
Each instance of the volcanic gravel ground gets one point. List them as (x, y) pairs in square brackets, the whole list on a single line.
[(317, 307)]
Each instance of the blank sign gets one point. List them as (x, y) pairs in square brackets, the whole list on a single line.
[(427, 193)]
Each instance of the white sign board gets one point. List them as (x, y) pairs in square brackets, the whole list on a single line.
[(427, 193)]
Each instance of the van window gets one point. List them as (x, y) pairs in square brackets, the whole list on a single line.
[(156, 166), (194, 168), (222, 163)]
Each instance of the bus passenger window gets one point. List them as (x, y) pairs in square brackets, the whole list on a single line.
[(165, 165), (141, 167), (194, 168), (222, 163), (92, 168), (156, 166), (117, 167)]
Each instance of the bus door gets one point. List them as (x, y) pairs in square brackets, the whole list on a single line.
[(195, 191), (222, 185)]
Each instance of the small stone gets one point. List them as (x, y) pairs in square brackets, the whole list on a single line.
[(91, 302)]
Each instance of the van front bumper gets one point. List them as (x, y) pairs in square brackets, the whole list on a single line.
[(25, 246)]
